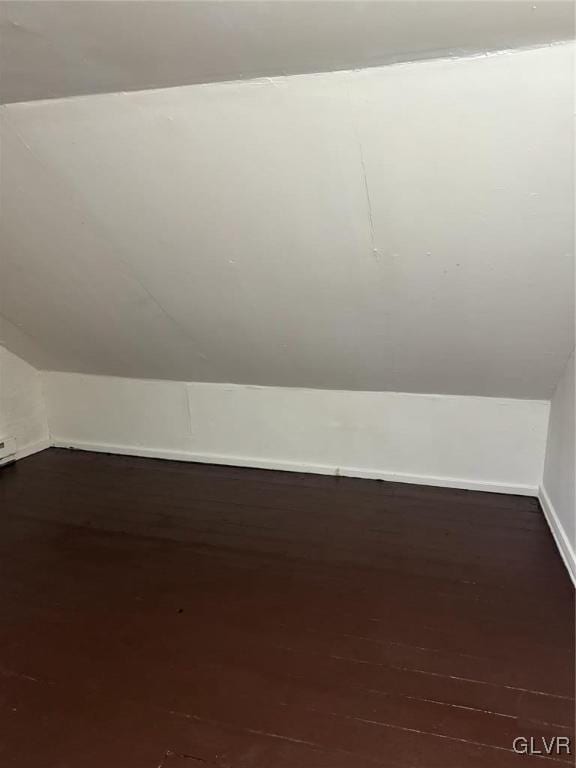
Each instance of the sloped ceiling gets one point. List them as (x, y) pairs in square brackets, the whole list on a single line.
[(402, 228), (52, 49)]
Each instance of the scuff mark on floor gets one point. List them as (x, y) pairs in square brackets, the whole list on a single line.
[(181, 756), (19, 675)]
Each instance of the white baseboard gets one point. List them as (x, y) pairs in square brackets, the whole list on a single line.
[(564, 547), (27, 450), (289, 466), (31, 448)]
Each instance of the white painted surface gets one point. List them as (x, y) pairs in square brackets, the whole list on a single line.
[(560, 467), (64, 48), (7, 450), (565, 546), (465, 442), (406, 228), (17, 341), (22, 408)]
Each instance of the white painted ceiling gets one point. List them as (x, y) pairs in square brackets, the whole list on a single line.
[(404, 228), (52, 49)]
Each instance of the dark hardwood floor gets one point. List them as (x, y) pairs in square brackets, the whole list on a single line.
[(157, 613)]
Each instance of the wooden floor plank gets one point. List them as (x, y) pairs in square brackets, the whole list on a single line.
[(165, 614)]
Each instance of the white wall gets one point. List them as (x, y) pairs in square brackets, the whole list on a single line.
[(557, 493), (22, 409), (404, 228), (55, 48), (466, 442), (341, 238)]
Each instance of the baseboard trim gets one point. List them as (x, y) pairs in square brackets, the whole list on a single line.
[(27, 450), (566, 552), (31, 448), (292, 466)]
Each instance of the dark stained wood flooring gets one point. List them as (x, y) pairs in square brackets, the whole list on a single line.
[(158, 614)]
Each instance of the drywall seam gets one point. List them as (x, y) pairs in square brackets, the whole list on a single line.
[(561, 539), (190, 410), (474, 443), (286, 202), (356, 132), (44, 396), (83, 211), (293, 466), (233, 385), (262, 80), (4, 321)]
